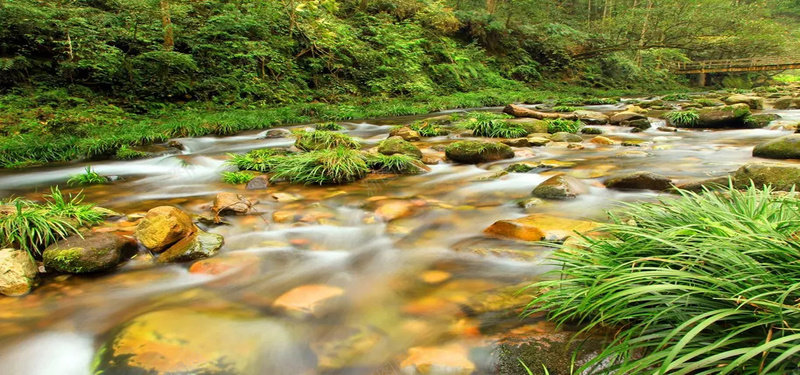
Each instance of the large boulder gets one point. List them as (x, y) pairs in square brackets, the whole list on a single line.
[(786, 147), (397, 145), (474, 152), (639, 180), (761, 120), (531, 125), (19, 272), (592, 117), (780, 176), (221, 340), (91, 253), (560, 186), (753, 102), (199, 245), (729, 116), (787, 103), (163, 226), (540, 227)]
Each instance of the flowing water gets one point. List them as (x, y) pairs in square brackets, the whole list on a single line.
[(427, 284)]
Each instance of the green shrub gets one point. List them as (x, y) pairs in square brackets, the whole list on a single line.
[(30, 226), (90, 177), (397, 163), (564, 108), (321, 139), (237, 178), (686, 119), (327, 166), (698, 284), (563, 125), (260, 160), (126, 152), (329, 126)]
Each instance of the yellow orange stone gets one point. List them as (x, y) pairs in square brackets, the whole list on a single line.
[(539, 227)]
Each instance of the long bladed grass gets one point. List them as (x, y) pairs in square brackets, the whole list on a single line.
[(704, 283)]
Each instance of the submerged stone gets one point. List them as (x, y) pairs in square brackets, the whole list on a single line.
[(540, 227), (560, 186), (199, 245), (19, 272)]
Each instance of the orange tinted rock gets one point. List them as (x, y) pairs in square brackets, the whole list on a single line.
[(162, 227), (540, 227), (449, 359), (247, 264), (309, 299)]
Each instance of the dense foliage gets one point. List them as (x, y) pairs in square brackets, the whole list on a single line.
[(700, 284)]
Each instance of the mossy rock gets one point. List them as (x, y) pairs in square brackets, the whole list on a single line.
[(225, 340), (760, 120), (566, 137), (558, 351), (560, 186), (92, 253), (474, 152), (754, 102), (787, 147), (397, 145), (639, 180), (531, 126), (199, 245), (787, 103), (729, 116), (782, 177)]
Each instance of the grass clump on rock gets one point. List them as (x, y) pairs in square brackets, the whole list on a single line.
[(561, 125), (395, 163), (328, 126), (321, 167), (703, 283), (474, 152), (428, 128), (126, 153), (493, 125), (260, 160), (321, 139), (89, 177), (237, 178), (684, 119), (564, 108), (31, 226)]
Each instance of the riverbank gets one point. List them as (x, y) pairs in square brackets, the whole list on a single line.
[(53, 126)]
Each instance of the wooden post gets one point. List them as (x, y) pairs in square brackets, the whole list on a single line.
[(701, 79)]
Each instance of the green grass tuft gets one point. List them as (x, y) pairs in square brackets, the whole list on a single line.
[(493, 125), (237, 178), (686, 119), (126, 152), (31, 226), (260, 160), (90, 177), (563, 125), (327, 166), (564, 108), (329, 126), (397, 163), (703, 283), (321, 139)]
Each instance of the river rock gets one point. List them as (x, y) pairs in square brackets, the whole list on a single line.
[(716, 183), (395, 209), (231, 203), (163, 226), (552, 348), (565, 137), (602, 141), (780, 176), (624, 118), (312, 299), (560, 186), (93, 253), (516, 142), (639, 180), (540, 227), (278, 133), (19, 272), (786, 147), (531, 125), (258, 183), (396, 145), (729, 116), (451, 359), (474, 152), (753, 102), (199, 245), (787, 103), (538, 141), (636, 109), (592, 117), (226, 340), (406, 133)]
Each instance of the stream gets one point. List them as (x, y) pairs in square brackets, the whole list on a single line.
[(427, 288)]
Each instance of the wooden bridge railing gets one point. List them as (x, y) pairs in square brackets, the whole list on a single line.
[(738, 65)]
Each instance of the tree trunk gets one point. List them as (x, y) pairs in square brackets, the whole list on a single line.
[(166, 23), (517, 111)]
